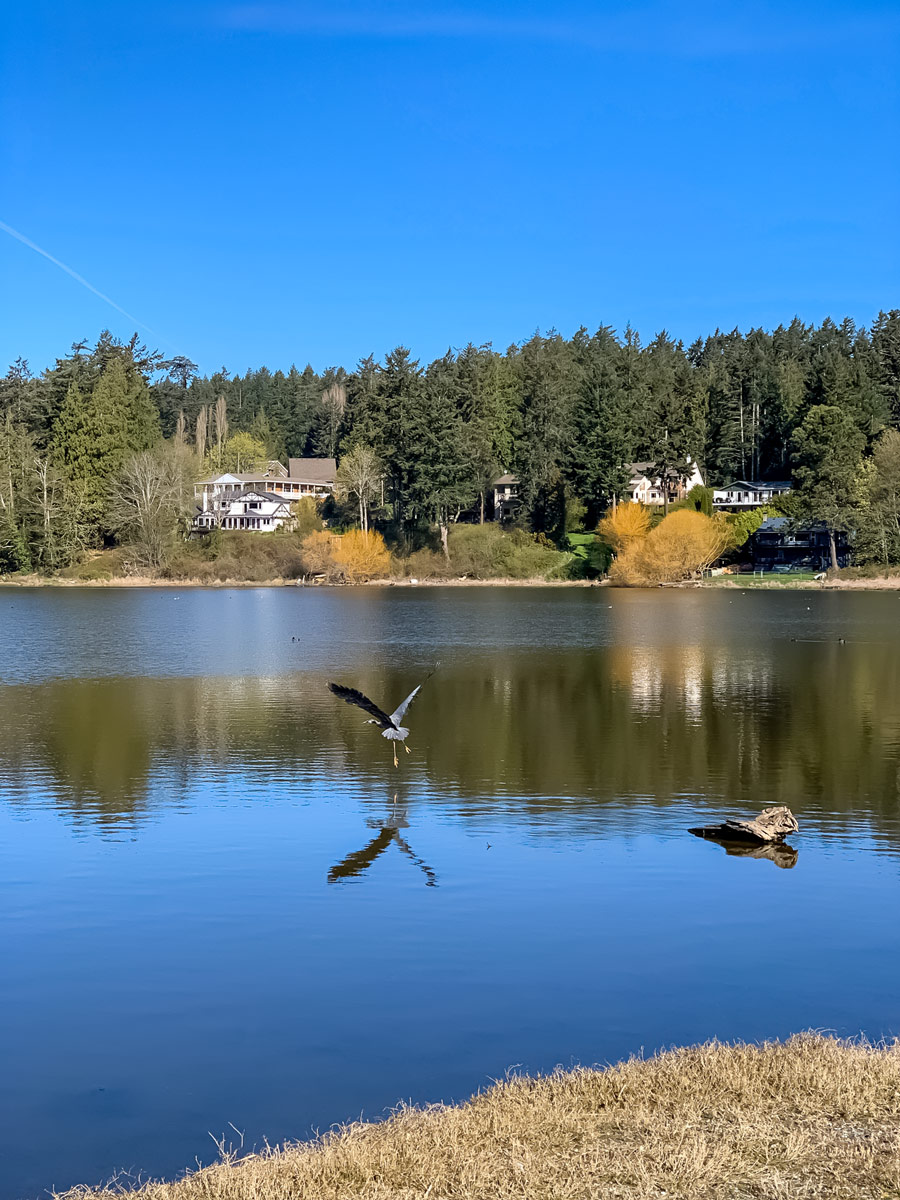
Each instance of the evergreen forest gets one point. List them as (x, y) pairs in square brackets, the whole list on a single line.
[(819, 405)]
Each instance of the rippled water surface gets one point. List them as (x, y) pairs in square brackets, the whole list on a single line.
[(222, 909)]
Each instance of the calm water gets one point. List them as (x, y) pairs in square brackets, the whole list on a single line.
[(222, 908)]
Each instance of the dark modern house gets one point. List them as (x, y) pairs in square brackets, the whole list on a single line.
[(781, 545)]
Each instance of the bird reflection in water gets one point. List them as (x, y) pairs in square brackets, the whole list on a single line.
[(359, 861), (780, 853)]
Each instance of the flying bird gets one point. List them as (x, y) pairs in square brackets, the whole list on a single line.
[(390, 725)]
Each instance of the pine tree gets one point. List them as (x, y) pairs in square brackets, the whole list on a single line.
[(94, 433), (827, 454), (886, 360), (676, 429), (549, 382), (396, 400), (603, 439), (443, 481)]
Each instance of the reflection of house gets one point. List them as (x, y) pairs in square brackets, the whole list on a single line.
[(506, 497), (646, 485), (304, 477), (252, 508), (741, 494), (778, 545)]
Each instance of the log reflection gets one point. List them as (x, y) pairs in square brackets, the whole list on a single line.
[(780, 853)]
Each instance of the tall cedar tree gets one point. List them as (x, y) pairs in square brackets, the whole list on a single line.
[(827, 454), (602, 442), (549, 382)]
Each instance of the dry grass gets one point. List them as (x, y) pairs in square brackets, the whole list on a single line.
[(812, 1117)]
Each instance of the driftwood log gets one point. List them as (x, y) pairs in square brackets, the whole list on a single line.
[(772, 825)]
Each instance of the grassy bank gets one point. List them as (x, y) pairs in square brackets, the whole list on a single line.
[(481, 553), (809, 1118), (849, 578)]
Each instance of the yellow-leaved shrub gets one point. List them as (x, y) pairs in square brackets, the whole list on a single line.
[(352, 557), (623, 524), (679, 547)]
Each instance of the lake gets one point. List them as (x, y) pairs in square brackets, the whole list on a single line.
[(224, 913)]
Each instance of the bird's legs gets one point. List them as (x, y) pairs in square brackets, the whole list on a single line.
[(394, 748), (406, 748)]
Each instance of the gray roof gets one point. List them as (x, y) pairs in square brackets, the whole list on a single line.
[(259, 492), (312, 470), (272, 470), (747, 483), (648, 470), (240, 476), (505, 480), (773, 524)]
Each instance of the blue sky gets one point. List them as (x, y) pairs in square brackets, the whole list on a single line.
[(290, 182)]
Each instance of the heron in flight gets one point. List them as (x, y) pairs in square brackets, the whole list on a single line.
[(390, 725)]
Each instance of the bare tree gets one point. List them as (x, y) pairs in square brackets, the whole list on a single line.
[(359, 475), (180, 430), (152, 499), (221, 416), (334, 402), (64, 530), (201, 432)]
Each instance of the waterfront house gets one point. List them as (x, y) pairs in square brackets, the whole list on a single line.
[(742, 494), (311, 477), (250, 509), (646, 485), (781, 545), (506, 497), (314, 477)]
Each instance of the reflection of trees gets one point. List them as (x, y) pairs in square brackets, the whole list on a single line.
[(814, 726), (359, 861)]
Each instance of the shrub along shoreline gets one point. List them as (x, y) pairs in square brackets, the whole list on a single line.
[(812, 1117)]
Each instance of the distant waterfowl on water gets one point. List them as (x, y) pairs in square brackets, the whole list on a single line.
[(390, 724)]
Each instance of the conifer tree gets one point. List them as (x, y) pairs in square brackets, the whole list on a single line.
[(827, 453)]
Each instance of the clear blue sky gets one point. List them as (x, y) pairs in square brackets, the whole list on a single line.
[(290, 182)]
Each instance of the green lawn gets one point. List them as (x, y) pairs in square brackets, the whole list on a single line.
[(766, 579), (593, 554)]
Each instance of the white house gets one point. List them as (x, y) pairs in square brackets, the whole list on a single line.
[(742, 494), (506, 497), (251, 508), (645, 485), (303, 477)]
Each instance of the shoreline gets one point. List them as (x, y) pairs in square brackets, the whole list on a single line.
[(812, 1116), (878, 583), (140, 581)]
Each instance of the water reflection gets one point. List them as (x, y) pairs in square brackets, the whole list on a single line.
[(358, 861), (178, 788), (816, 729), (780, 853)]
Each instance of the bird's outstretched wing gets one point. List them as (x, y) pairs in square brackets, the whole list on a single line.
[(399, 712), (361, 860), (352, 696)]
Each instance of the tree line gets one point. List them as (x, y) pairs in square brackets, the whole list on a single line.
[(814, 403)]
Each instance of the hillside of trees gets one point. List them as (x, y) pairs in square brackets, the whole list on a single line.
[(819, 404)]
